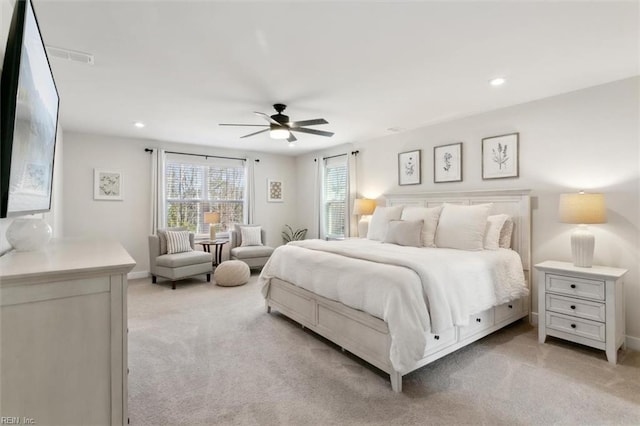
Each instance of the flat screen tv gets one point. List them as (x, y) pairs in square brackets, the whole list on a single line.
[(29, 104)]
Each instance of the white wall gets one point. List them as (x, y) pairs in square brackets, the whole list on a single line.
[(54, 217), (128, 221), (587, 139)]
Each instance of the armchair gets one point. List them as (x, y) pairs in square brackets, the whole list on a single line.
[(177, 266), (255, 255)]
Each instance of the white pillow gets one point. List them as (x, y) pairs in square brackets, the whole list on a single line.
[(251, 236), (430, 216), (495, 223), (405, 233), (380, 221), (505, 234), (462, 227), (178, 242)]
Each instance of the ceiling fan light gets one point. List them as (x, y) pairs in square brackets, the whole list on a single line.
[(279, 133)]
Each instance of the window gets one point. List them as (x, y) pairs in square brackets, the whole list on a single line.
[(195, 187), (334, 197)]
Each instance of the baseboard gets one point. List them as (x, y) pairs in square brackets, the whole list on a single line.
[(633, 343), (137, 275)]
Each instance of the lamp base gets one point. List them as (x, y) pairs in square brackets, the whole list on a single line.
[(363, 226), (582, 245), (28, 234), (212, 233)]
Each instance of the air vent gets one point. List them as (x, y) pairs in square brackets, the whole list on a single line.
[(70, 55)]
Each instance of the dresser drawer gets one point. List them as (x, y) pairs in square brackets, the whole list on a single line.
[(577, 326), (575, 307), (509, 310), (581, 287), (477, 323)]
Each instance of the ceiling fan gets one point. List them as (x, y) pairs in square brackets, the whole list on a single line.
[(280, 127)]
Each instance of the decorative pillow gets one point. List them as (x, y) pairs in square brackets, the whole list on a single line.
[(495, 223), (162, 237), (405, 232), (251, 236), (237, 227), (380, 221), (178, 242), (505, 234), (430, 216), (462, 227)]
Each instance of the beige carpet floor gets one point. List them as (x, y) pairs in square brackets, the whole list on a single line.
[(207, 355)]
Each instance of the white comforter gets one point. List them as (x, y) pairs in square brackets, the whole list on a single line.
[(414, 290)]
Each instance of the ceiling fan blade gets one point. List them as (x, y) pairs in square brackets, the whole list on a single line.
[(266, 117), (255, 133), (311, 131), (291, 138), (252, 125), (308, 122)]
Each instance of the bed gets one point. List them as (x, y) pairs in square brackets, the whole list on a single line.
[(391, 314)]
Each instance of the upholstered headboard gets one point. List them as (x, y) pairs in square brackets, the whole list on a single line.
[(514, 202)]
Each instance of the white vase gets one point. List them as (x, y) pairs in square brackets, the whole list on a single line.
[(28, 234)]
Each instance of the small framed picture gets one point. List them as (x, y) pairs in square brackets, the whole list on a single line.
[(274, 191), (409, 172), (447, 163), (500, 156), (107, 185)]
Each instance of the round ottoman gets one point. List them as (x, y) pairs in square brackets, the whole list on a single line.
[(231, 273)]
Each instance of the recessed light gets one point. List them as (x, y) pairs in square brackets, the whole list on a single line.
[(498, 81), (139, 124)]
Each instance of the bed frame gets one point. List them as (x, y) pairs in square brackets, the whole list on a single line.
[(368, 337)]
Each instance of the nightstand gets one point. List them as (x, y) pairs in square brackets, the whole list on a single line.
[(582, 305)]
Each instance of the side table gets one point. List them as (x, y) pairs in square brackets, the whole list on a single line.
[(218, 244)]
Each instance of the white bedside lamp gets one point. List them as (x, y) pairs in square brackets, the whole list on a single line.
[(582, 209), (212, 218), (363, 207)]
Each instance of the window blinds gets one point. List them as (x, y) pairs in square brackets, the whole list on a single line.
[(335, 191)]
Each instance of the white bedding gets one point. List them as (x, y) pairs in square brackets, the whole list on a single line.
[(414, 290)]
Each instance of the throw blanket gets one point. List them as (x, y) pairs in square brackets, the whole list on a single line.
[(414, 290)]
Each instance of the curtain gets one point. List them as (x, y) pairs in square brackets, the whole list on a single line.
[(250, 190), (158, 220), (315, 232), (351, 221)]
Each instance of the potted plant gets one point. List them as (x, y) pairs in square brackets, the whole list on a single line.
[(290, 235)]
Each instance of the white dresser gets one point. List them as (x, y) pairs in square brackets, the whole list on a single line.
[(583, 305), (63, 341)]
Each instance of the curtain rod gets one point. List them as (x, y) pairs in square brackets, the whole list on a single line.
[(149, 150), (334, 156)]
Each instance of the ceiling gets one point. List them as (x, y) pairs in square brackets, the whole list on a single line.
[(183, 67)]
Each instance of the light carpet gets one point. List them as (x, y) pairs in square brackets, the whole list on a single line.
[(208, 355)]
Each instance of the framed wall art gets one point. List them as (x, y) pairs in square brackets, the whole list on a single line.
[(500, 156), (447, 163), (409, 172), (107, 185), (274, 191)]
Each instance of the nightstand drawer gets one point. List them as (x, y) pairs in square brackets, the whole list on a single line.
[(577, 326), (591, 289), (576, 307)]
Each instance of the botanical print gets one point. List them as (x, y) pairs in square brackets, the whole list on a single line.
[(500, 156), (447, 163), (409, 168), (107, 185), (274, 188)]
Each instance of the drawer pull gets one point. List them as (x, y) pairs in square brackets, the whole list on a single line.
[(573, 326), (510, 306), (573, 306), (478, 319), (573, 286), (436, 337)]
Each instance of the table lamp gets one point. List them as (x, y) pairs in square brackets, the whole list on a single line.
[(212, 218), (582, 209), (363, 207)]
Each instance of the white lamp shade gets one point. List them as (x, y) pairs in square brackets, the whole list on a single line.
[(582, 208), (364, 206)]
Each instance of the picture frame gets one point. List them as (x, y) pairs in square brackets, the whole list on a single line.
[(500, 156), (108, 185), (409, 168), (275, 192), (447, 163)]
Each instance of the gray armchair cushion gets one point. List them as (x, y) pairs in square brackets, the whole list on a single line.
[(251, 251), (177, 260)]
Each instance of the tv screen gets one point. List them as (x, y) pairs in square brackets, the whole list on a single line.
[(28, 118)]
